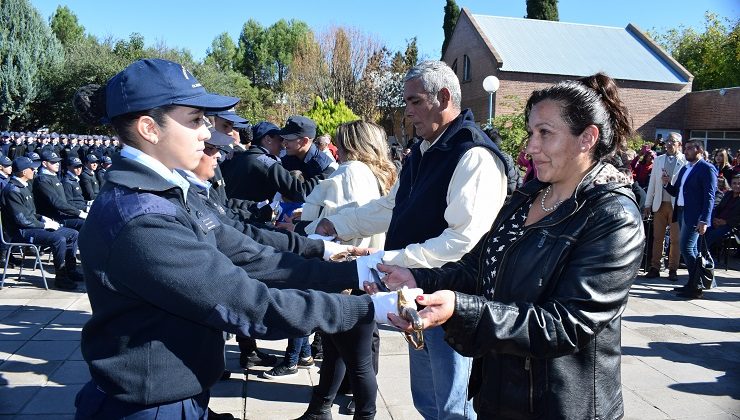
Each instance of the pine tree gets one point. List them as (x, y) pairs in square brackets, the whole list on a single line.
[(452, 13), (27, 45), (542, 9), (65, 26)]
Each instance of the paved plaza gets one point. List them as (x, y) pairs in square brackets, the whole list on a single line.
[(680, 358)]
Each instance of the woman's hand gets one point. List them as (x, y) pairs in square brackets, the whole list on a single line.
[(440, 306)]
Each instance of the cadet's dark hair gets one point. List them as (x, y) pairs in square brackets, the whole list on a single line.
[(89, 102), (245, 135), (590, 100)]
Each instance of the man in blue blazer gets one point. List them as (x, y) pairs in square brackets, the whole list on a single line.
[(694, 191)]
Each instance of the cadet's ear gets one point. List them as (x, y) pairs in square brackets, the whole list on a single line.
[(147, 129)]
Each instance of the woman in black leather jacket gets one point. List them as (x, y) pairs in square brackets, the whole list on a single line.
[(538, 302)]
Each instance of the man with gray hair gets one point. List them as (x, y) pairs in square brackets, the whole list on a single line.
[(661, 204), (448, 194)]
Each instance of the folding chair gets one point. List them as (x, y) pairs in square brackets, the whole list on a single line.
[(21, 247)]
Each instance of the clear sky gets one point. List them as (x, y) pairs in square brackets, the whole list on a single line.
[(193, 25)]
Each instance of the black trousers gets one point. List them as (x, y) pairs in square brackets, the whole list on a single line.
[(63, 243), (352, 352)]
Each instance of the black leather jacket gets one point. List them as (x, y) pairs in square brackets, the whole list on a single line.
[(548, 344)]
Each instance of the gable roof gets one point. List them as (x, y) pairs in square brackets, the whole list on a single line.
[(547, 47)]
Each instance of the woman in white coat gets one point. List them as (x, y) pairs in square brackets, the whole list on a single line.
[(366, 172)]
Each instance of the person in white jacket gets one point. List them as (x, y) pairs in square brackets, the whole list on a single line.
[(661, 204), (365, 173)]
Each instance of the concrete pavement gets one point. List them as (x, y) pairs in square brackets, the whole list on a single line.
[(680, 358)]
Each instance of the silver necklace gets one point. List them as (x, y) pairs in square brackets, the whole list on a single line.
[(544, 197)]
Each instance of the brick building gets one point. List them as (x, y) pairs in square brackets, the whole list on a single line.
[(527, 54)]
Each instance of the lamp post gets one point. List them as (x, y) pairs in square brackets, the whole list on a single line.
[(490, 85)]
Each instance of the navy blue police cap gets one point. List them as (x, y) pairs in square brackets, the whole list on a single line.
[(21, 163), (33, 156), (49, 156), (5, 161), (229, 115), (74, 161), (263, 129), (297, 127), (91, 158), (153, 82)]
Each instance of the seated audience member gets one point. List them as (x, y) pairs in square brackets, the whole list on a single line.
[(71, 184), (726, 215), (50, 197), (88, 180), (23, 222)]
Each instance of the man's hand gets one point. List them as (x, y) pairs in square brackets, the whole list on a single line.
[(646, 212), (396, 277), (326, 228), (83, 215), (358, 252), (701, 228), (665, 179), (439, 308), (50, 224)]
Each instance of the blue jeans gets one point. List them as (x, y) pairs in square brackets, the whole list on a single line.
[(297, 347), (439, 379), (688, 244)]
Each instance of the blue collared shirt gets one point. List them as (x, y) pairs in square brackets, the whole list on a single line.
[(173, 177)]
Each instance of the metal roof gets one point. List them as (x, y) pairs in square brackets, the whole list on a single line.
[(540, 46)]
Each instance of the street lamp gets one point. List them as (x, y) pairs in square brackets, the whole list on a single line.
[(490, 85)]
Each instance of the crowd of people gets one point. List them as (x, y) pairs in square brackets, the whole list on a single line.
[(194, 225)]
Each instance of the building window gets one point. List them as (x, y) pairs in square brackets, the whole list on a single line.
[(454, 66), (466, 68), (717, 139)]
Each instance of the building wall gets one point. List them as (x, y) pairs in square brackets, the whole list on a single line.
[(652, 105), (712, 111)]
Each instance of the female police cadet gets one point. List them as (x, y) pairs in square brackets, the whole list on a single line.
[(164, 276)]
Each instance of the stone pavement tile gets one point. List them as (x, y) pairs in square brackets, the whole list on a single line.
[(26, 316), (228, 396), (53, 400), (393, 380), (72, 317), (286, 398), (76, 355), (708, 334), (48, 350), (50, 303), (17, 332), (8, 348), (635, 408), (678, 405), (69, 373), (9, 304), (13, 398), (69, 333), (27, 372), (637, 375), (29, 291), (4, 313), (82, 304), (405, 412)]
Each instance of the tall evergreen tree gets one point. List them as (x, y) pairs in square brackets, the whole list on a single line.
[(27, 45), (542, 9), (452, 13), (65, 26)]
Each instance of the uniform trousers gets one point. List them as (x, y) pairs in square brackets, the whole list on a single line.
[(94, 404)]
